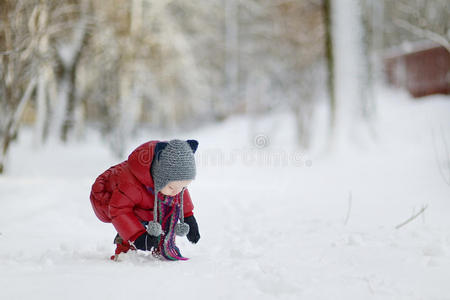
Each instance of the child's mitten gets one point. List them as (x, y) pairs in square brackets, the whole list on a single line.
[(121, 247), (146, 242), (194, 235)]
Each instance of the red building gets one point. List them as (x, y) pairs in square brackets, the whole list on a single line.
[(422, 71)]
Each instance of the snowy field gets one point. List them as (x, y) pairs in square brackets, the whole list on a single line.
[(276, 223)]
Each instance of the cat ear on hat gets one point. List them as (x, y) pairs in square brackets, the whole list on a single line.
[(193, 144), (159, 147)]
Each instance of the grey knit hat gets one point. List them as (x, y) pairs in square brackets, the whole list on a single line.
[(172, 161)]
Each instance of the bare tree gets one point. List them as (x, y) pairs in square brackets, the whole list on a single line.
[(425, 19), (166, 63), (416, 20), (282, 43), (231, 51), (329, 57), (17, 72), (68, 37), (141, 64), (302, 32)]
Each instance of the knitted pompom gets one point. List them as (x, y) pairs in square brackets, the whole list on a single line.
[(154, 228), (181, 229)]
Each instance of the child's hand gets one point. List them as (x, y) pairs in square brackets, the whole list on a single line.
[(193, 236), (146, 242)]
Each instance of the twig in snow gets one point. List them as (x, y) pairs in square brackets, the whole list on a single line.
[(349, 207), (446, 154), (369, 284), (412, 217)]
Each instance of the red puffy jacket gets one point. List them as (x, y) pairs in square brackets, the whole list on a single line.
[(119, 195)]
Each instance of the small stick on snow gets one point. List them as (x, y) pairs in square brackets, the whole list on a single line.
[(412, 217), (370, 285), (349, 207), (446, 155)]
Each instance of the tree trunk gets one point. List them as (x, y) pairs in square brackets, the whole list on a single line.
[(41, 111), (69, 77), (66, 73), (329, 55), (231, 52), (12, 125)]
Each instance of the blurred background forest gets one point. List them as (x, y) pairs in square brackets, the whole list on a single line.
[(118, 66)]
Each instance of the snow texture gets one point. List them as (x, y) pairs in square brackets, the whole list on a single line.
[(275, 223)]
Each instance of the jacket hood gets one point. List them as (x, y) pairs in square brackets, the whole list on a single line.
[(140, 160)]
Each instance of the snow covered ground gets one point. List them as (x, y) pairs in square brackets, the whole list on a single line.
[(276, 223)]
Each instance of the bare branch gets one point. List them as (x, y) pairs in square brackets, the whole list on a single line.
[(412, 217), (424, 33), (349, 207), (9, 52), (447, 154), (436, 155), (21, 107)]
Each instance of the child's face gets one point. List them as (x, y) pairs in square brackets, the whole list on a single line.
[(175, 187)]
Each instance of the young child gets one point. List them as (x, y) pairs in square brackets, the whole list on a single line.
[(149, 189)]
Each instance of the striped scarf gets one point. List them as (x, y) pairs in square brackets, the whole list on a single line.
[(168, 215)]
